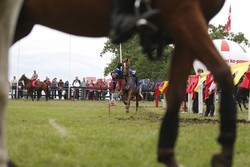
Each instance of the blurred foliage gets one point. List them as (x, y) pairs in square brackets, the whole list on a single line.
[(146, 68)]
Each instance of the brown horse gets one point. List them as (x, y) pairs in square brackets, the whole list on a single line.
[(38, 88), (129, 88), (186, 22)]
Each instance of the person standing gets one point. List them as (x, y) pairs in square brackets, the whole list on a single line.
[(54, 87), (20, 89), (196, 96), (83, 86), (104, 88), (76, 84), (210, 100), (66, 88), (91, 85), (48, 82), (60, 88), (13, 88)]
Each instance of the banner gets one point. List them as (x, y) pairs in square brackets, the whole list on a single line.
[(238, 70), (246, 81), (163, 88), (202, 79), (192, 83)]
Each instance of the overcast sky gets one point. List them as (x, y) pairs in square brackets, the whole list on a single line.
[(50, 53)]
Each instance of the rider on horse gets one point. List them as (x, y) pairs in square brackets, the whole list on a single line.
[(117, 75), (34, 78)]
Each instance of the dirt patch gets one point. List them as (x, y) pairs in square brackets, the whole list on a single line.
[(154, 117), (145, 116)]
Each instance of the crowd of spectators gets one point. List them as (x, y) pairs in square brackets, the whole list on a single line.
[(86, 89)]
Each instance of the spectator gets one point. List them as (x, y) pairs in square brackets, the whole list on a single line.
[(13, 88), (54, 86), (91, 93), (195, 96), (210, 100), (98, 89), (104, 88), (84, 86), (87, 91), (76, 84), (20, 89), (48, 82), (66, 87), (60, 88)]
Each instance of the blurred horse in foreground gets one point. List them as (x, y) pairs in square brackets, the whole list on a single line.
[(186, 23)]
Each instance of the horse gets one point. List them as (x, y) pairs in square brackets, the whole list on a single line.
[(38, 88), (129, 86), (185, 21)]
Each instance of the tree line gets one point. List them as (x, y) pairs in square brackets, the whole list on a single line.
[(146, 68)]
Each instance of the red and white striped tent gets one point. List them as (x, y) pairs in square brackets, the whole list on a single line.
[(232, 52)]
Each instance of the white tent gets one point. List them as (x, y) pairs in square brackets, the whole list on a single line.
[(232, 52)]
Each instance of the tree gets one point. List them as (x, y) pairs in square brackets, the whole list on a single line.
[(146, 68), (219, 33)]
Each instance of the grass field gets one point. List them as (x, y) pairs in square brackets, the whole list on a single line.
[(82, 134)]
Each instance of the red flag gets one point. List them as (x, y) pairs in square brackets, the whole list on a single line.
[(228, 25), (209, 81), (246, 81), (193, 81)]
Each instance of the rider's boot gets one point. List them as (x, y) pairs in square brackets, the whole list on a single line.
[(124, 22)]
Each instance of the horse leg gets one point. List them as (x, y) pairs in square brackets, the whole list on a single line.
[(46, 95), (39, 94), (194, 30), (9, 10), (179, 71), (128, 100), (137, 101), (32, 94)]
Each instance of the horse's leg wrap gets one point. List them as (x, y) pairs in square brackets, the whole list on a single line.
[(228, 119), (227, 130), (168, 136), (11, 164)]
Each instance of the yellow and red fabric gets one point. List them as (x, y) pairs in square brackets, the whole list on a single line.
[(246, 81)]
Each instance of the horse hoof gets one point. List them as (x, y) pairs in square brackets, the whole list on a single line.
[(127, 111), (220, 160), (166, 157), (11, 164)]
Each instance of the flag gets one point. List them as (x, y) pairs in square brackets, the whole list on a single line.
[(208, 83), (163, 88), (238, 70), (246, 81), (203, 77), (193, 81), (228, 25)]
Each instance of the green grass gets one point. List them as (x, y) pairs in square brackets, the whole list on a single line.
[(95, 139)]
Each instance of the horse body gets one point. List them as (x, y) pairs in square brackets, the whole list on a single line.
[(39, 87), (184, 20), (70, 17)]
